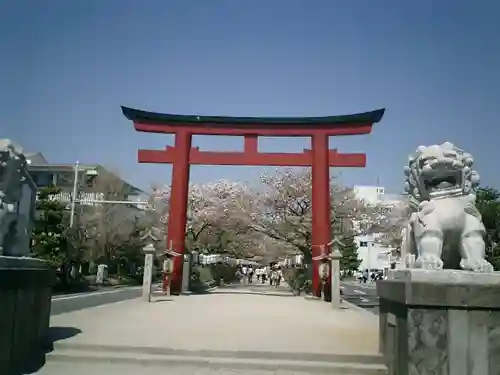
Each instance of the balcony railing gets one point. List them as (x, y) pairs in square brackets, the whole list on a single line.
[(86, 199)]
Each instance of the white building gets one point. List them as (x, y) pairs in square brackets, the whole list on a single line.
[(369, 194), (372, 254)]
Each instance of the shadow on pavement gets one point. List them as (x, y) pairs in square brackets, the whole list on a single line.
[(269, 294), (161, 299), (37, 360), (245, 289)]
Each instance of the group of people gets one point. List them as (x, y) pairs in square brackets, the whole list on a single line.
[(263, 274), (373, 276)]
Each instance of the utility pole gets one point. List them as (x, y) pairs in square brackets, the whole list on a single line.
[(73, 196), (369, 261)]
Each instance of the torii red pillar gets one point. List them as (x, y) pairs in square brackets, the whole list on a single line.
[(321, 232), (177, 215), (320, 158)]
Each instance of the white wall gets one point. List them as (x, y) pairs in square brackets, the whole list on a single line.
[(370, 194), (371, 254), (142, 197)]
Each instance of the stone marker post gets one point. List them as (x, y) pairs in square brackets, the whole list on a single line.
[(335, 256), (149, 251), (186, 273), (102, 274)]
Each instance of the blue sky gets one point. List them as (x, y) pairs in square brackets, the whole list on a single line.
[(67, 66)]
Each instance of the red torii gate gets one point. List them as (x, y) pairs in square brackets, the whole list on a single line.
[(182, 155)]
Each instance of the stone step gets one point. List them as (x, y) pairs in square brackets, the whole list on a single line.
[(307, 363)]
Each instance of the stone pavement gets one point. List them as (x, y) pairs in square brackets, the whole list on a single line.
[(240, 330)]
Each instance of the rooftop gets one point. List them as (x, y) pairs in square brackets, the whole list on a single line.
[(38, 163)]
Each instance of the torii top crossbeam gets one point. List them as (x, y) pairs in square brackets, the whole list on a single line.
[(354, 124), (251, 128)]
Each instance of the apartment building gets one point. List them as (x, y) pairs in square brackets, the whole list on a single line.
[(94, 182)]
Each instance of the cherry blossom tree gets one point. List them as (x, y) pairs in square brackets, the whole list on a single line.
[(110, 233), (390, 223), (214, 217), (229, 217), (282, 210)]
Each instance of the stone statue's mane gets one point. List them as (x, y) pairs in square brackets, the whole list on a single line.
[(439, 171)]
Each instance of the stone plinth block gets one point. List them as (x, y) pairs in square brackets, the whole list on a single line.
[(440, 322), (25, 298)]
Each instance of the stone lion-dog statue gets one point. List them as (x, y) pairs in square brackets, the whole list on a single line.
[(445, 229)]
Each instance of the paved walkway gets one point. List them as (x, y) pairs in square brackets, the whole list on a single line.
[(254, 323)]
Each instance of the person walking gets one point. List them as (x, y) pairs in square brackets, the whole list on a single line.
[(365, 276), (250, 274), (167, 274), (279, 276), (244, 274), (263, 275)]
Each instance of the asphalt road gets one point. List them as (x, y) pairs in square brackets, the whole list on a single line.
[(72, 302), (363, 295)]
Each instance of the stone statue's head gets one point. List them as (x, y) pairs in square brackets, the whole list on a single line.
[(440, 171), (12, 165)]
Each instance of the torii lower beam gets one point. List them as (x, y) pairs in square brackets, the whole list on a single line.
[(304, 159)]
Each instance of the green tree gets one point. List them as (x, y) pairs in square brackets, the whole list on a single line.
[(488, 204), (49, 240), (349, 263), (77, 249), (128, 254)]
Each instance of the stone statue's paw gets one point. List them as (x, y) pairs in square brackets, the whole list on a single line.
[(429, 262), (476, 265)]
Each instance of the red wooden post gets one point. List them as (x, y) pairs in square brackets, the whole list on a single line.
[(178, 206), (320, 204)]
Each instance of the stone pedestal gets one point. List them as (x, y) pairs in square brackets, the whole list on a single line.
[(440, 322), (25, 298)]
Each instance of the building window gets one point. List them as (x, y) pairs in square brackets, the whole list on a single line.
[(363, 244), (34, 177), (42, 179), (65, 179), (383, 256)]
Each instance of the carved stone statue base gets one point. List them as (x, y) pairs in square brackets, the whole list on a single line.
[(25, 298), (440, 322)]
